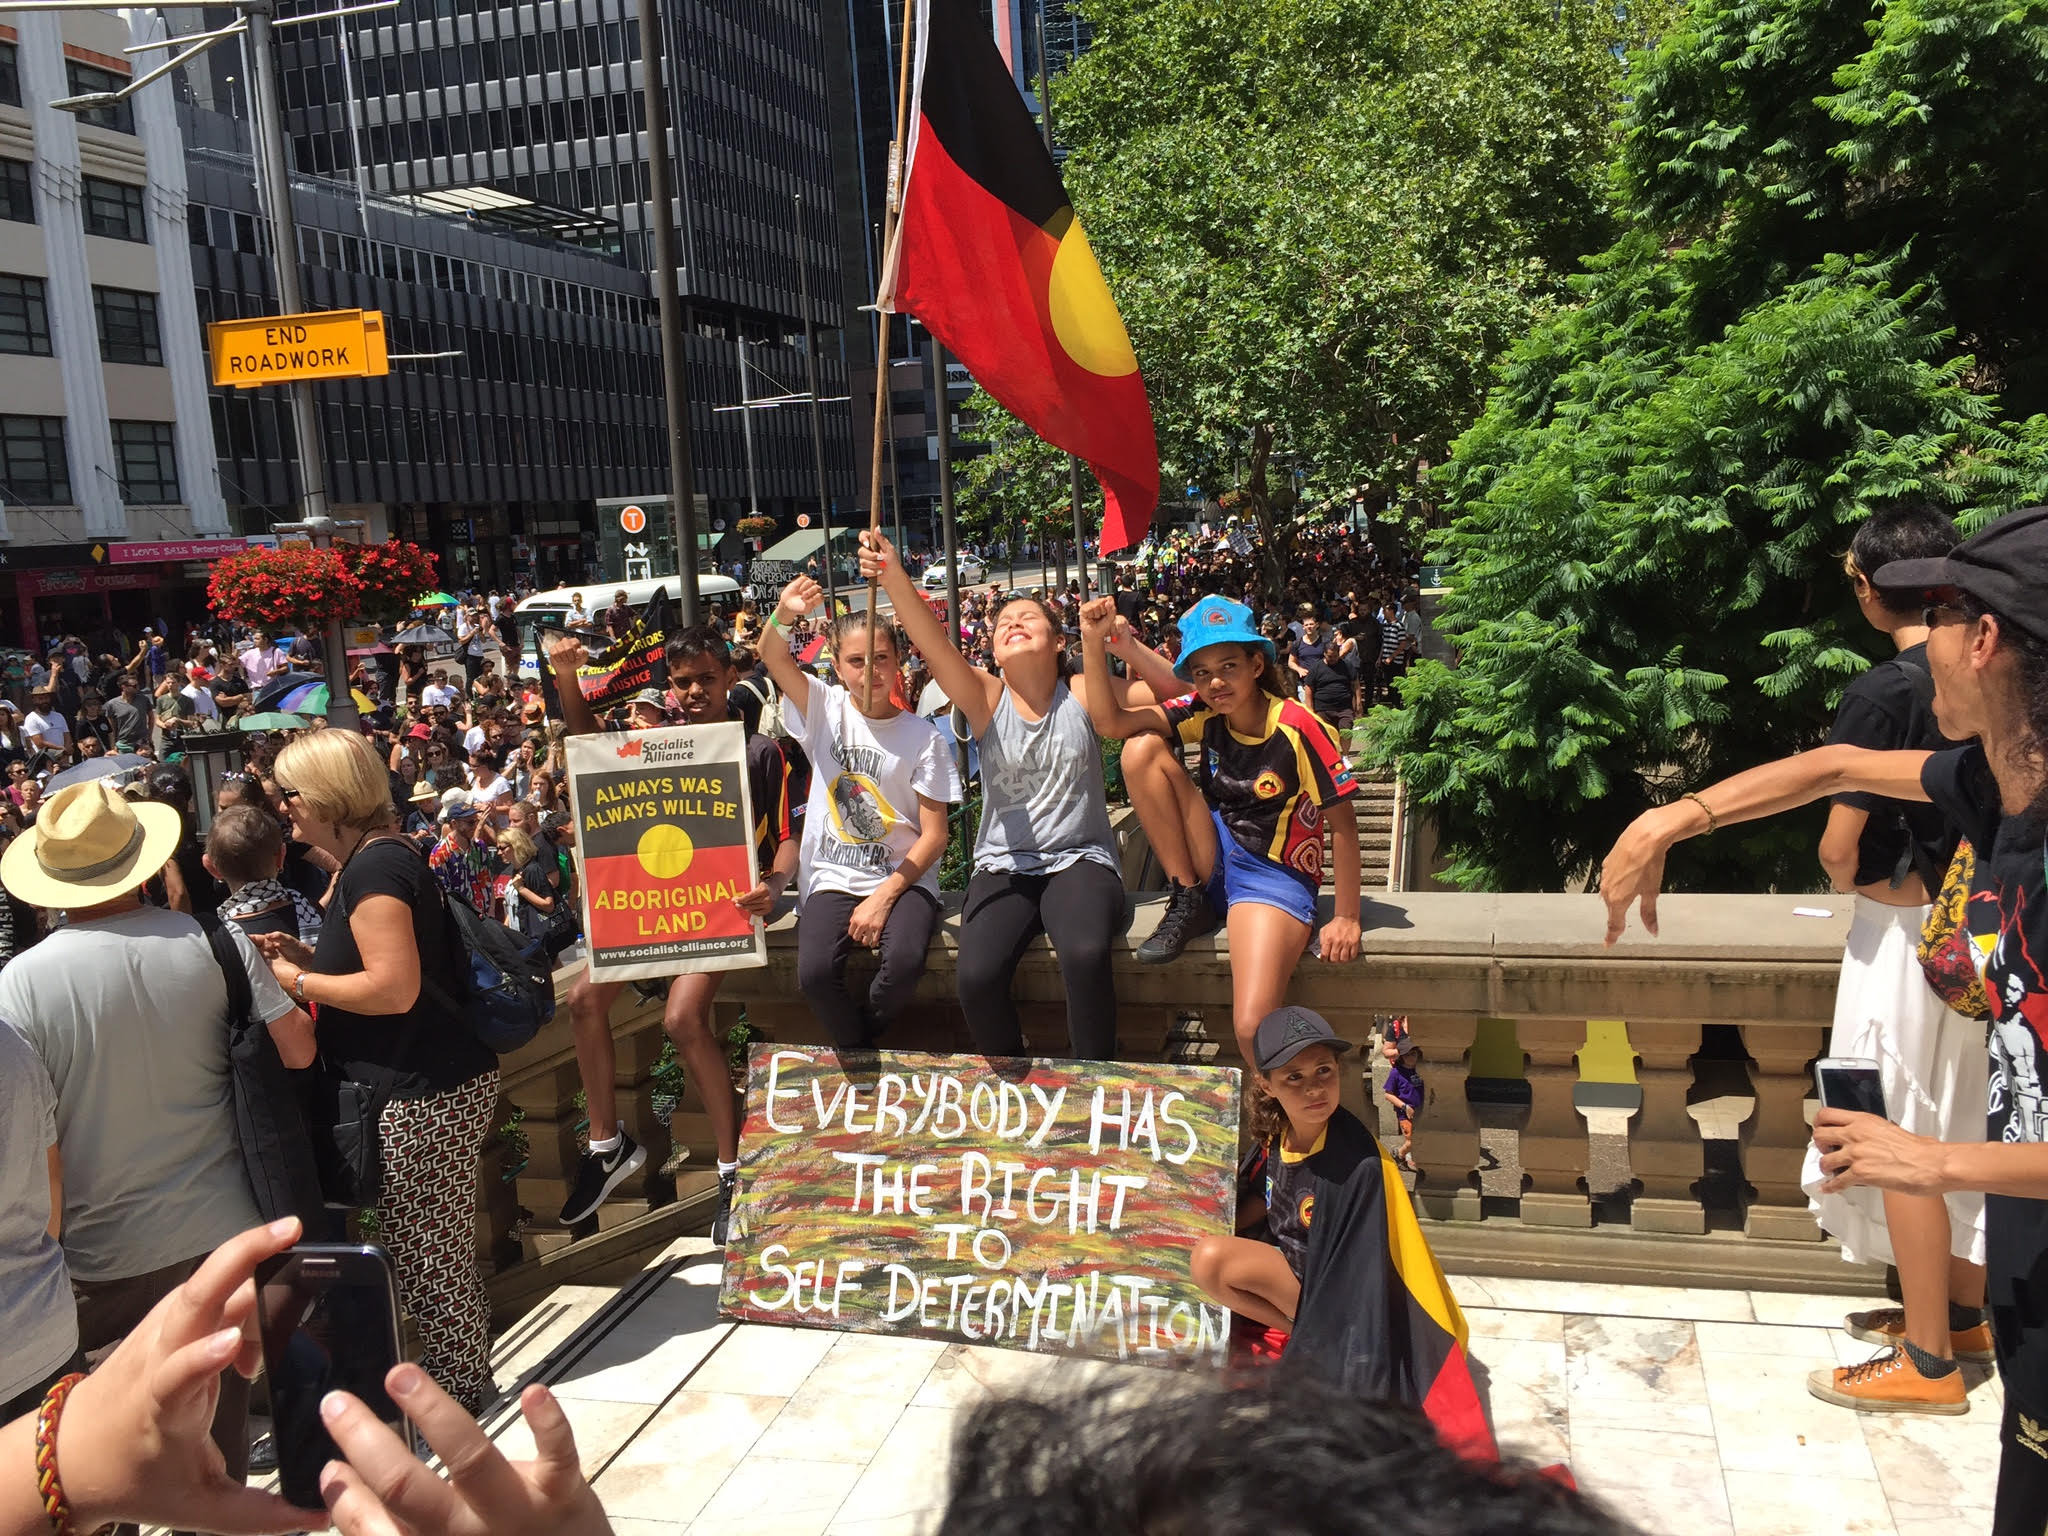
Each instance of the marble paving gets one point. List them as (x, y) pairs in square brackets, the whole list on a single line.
[(1685, 1411)]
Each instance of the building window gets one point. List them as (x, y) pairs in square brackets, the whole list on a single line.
[(127, 326), (10, 74), (89, 80), (114, 209), (32, 465), (24, 316), (148, 461), (17, 200)]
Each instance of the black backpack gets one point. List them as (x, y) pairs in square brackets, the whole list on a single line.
[(511, 987), (271, 1120)]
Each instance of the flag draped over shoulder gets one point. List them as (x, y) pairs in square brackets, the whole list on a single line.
[(1376, 1316), (989, 256)]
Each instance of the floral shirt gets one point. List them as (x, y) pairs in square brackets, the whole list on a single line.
[(464, 872)]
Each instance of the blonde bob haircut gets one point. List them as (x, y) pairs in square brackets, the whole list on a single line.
[(339, 779)]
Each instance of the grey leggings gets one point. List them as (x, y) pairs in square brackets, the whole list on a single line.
[(822, 946)]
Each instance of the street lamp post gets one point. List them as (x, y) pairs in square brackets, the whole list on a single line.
[(275, 176)]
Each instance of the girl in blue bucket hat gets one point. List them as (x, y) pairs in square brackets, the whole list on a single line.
[(1242, 842)]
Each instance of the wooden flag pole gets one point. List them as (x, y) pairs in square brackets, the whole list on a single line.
[(890, 210), (1073, 463)]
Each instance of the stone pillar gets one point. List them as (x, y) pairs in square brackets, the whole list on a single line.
[(1664, 1146), (1446, 1135), (1777, 1135), (1554, 1140)]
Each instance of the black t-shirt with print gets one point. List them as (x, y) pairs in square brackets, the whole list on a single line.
[(2007, 920), (1889, 709)]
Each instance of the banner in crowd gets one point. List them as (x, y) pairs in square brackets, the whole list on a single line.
[(635, 660), (1051, 1206), (665, 823)]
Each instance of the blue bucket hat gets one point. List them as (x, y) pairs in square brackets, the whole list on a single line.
[(1219, 621)]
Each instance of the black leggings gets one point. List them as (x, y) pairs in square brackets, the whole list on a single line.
[(2022, 1506), (1082, 909), (822, 946)]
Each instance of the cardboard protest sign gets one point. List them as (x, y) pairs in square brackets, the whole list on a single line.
[(665, 824), (637, 659), (1051, 1206)]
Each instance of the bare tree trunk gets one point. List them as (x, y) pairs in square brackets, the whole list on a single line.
[(1274, 545)]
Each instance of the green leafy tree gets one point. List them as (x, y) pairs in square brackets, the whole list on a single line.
[(1325, 220), (1015, 484), (1800, 324)]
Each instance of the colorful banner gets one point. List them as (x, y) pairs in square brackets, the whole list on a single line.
[(637, 659), (664, 822), (1049, 1206)]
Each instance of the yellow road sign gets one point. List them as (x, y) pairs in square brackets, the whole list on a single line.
[(278, 349)]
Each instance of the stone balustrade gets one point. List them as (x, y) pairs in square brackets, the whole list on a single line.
[(1658, 1087)]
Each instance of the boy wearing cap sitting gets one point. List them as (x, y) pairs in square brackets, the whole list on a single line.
[(1329, 1252)]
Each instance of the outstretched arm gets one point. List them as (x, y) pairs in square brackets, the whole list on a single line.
[(972, 690), (1634, 868), (1110, 714), (566, 656), (798, 599)]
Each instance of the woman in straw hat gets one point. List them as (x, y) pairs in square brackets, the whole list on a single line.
[(385, 976)]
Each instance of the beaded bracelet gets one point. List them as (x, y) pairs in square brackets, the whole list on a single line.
[(1713, 821), (48, 1484)]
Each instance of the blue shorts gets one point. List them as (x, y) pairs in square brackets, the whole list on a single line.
[(1240, 876)]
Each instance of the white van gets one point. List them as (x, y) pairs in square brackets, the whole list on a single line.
[(550, 610)]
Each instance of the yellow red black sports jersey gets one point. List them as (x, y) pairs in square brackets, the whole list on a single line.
[(779, 779), (1270, 790)]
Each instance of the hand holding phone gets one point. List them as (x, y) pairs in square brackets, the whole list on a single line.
[(1851, 1083), (328, 1317), (382, 1485)]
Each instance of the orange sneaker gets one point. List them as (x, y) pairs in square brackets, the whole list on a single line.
[(1887, 1325), (1889, 1384)]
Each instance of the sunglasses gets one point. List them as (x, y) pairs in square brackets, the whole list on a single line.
[(288, 795)]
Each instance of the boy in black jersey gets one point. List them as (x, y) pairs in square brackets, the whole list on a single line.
[(700, 677)]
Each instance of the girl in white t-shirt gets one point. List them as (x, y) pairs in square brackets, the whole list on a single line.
[(881, 779)]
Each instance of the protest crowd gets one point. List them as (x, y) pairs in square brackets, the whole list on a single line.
[(316, 933)]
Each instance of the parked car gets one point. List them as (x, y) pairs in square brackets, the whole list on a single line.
[(972, 569)]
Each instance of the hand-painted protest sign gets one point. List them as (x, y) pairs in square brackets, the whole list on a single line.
[(665, 824), (635, 660), (1039, 1205)]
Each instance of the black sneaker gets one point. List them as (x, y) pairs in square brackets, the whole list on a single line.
[(1187, 917), (721, 1218), (598, 1175)]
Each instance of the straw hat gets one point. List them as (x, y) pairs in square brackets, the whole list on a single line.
[(89, 844), (424, 793)]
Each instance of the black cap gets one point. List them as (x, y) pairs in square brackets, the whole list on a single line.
[(1286, 1032), (2005, 567)]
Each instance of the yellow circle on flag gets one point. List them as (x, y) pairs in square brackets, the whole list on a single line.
[(665, 851), (1083, 314)]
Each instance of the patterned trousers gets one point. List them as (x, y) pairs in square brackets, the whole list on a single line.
[(427, 1219)]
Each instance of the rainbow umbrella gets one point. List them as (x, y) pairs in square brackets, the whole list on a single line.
[(311, 699)]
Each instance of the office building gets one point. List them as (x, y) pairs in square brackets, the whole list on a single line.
[(525, 380), (531, 117), (106, 465)]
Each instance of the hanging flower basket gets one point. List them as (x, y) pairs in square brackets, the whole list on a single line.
[(755, 527), (297, 585), (309, 588), (390, 575)]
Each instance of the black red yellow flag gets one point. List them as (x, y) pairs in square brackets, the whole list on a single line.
[(989, 256)]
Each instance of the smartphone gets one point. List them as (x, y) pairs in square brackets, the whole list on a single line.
[(1850, 1082), (328, 1313)]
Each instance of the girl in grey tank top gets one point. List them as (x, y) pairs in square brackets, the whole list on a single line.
[(1043, 805), (1045, 858)]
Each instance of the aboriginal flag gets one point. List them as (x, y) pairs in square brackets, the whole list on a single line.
[(1376, 1316), (989, 256)]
